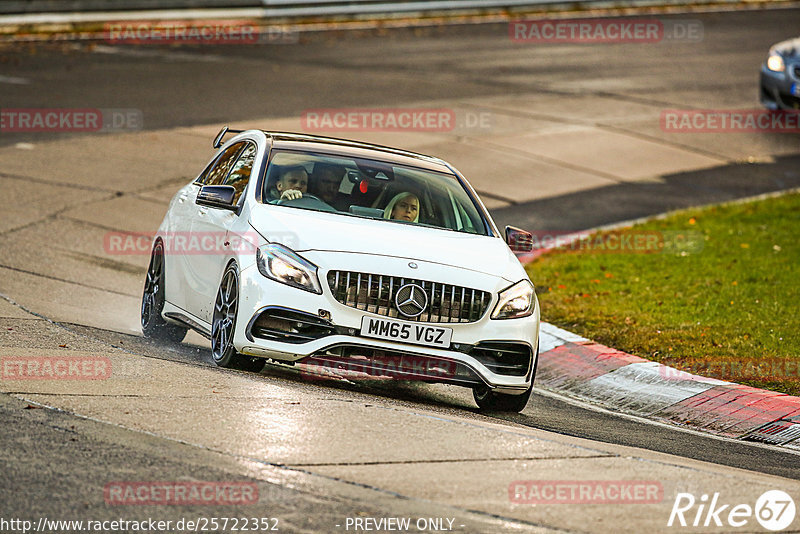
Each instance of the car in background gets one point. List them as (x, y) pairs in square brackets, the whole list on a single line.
[(780, 76), (333, 276)]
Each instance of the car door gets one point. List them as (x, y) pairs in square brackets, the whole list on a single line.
[(188, 245), (210, 229), (179, 223)]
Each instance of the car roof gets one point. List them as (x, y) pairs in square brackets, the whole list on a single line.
[(346, 147)]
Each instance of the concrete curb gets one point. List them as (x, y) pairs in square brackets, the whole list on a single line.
[(582, 369)]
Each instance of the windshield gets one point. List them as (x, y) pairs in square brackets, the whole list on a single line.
[(374, 189)]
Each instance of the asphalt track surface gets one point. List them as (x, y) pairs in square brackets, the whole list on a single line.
[(543, 412), (199, 86)]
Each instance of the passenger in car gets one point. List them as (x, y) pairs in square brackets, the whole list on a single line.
[(293, 182), (403, 207)]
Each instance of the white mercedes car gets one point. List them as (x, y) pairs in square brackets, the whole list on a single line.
[(296, 248)]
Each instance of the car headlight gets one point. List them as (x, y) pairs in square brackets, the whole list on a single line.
[(287, 267), (515, 301), (775, 63)]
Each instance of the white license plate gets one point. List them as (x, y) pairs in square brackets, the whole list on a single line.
[(418, 334)]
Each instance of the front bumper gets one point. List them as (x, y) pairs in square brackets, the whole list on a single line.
[(331, 334)]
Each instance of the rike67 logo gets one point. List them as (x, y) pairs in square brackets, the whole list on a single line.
[(774, 510)]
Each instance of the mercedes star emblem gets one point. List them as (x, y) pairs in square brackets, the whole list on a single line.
[(411, 300)]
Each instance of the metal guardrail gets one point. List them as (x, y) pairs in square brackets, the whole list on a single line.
[(63, 6), (14, 13), (267, 8), (291, 8)]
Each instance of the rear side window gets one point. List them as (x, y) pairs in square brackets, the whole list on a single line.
[(240, 171), (218, 171)]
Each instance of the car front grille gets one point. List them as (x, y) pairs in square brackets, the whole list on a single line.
[(375, 293)]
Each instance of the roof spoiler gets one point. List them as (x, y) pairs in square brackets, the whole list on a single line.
[(221, 134)]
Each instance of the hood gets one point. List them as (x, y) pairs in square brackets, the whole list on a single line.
[(788, 49), (305, 230)]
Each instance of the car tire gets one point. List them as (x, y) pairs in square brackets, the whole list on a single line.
[(226, 307), (489, 401), (153, 324)]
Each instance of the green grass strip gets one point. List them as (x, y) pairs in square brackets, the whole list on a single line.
[(714, 291)]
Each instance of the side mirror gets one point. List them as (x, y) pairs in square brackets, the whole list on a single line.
[(217, 196), (519, 240)]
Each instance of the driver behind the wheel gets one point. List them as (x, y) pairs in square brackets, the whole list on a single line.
[(292, 183)]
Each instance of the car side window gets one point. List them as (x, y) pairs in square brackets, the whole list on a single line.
[(219, 171), (203, 175), (239, 175)]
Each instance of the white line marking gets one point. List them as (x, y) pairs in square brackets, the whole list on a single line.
[(13, 80), (162, 54), (638, 419)]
